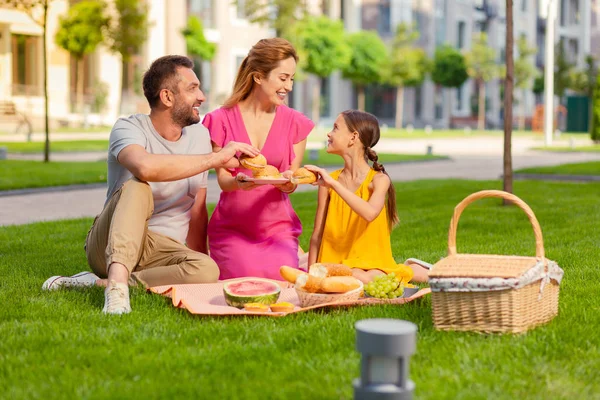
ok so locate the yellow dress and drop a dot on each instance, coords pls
(351, 240)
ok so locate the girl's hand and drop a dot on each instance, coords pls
(242, 182)
(324, 178)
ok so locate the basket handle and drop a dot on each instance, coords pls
(537, 230)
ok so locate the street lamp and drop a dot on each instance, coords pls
(548, 10)
(385, 346)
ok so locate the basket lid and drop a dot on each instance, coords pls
(482, 266)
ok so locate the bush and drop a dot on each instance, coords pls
(595, 126)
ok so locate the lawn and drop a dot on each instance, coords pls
(592, 148)
(59, 345)
(586, 168)
(57, 146)
(19, 174)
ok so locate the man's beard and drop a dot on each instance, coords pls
(183, 115)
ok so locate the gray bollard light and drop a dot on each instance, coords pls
(3, 153)
(429, 150)
(313, 154)
(385, 346)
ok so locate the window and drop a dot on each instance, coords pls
(325, 97)
(203, 9)
(384, 25)
(418, 100)
(459, 98)
(376, 15)
(524, 5)
(440, 22)
(25, 66)
(460, 40)
(563, 12)
(439, 109)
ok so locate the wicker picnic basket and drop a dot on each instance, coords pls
(494, 293)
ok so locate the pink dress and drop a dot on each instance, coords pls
(254, 232)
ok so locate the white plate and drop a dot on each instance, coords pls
(267, 181)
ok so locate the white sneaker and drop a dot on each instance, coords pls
(82, 279)
(116, 298)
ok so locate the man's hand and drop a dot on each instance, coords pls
(226, 156)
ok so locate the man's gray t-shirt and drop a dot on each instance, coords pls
(172, 200)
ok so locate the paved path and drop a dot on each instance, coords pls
(474, 159)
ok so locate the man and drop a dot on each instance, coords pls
(156, 200)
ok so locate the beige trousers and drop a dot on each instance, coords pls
(120, 234)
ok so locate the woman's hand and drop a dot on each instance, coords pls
(242, 182)
(324, 178)
(287, 187)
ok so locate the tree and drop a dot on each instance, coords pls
(38, 11)
(367, 62)
(481, 66)
(128, 32)
(563, 72)
(508, 100)
(280, 15)
(449, 68)
(322, 42)
(524, 72)
(595, 125)
(80, 32)
(197, 45)
(407, 67)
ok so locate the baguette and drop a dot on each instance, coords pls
(309, 283)
(339, 284)
(324, 270)
(290, 274)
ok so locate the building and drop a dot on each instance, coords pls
(439, 22)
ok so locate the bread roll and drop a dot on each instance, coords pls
(268, 171)
(308, 283)
(303, 175)
(324, 270)
(253, 163)
(339, 284)
(290, 274)
(282, 307)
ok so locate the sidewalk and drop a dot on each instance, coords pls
(469, 159)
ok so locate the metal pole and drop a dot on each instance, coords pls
(549, 74)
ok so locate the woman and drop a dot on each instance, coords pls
(254, 229)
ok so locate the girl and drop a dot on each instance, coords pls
(357, 205)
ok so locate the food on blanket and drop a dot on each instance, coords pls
(339, 284)
(290, 274)
(253, 163)
(303, 175)
(268, 171)
(282, 307)
(385, 287)
(309, 283)
(254, 290)
(256, 307)
(323, 270)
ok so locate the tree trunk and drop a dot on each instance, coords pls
(124, 86)
(79, 101)
(361, 97)
(399, 106)
(481, 118)
(508, 101)
(316, 101)
(522, 116)
(45, 64)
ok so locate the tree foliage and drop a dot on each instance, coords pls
(323, 44)
(449, 67)
(525, 71)
(83, 28)
(408, 63)
(129, 29)
(280, 15)
(367, 60)
(481, 60)
(196, 42)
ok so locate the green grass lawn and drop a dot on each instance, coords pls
(20, 174)
(592, 148)
(58, 146)
(586, 168)
(59, 345)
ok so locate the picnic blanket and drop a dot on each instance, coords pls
(208, 299)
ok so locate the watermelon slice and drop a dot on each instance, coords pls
(254, 290)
